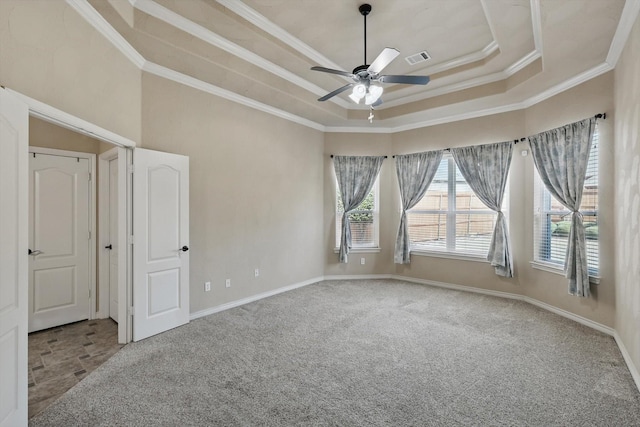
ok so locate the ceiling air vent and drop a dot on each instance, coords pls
(417, 58)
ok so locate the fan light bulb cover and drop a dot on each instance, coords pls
(373, 94)
(359, 92)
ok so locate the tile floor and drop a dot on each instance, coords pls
(61, 357)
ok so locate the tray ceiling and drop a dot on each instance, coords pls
(487, 56)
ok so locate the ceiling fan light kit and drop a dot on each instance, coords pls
(364, 75)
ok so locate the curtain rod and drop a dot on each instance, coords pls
(384, 156)
(602, 116)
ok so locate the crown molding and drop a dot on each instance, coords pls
(192, 82)
(96, 20)
(536, 25)
(625, 25)
(630, 13)
(160, 12)
(568, 84)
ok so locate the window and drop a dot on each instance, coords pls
(364, 220)
(450, 218)
(553, 220)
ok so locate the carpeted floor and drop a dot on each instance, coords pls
(362, 353)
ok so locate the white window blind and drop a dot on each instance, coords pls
(553, 221)
(364, 220)
(450, 217)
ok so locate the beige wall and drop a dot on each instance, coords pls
(50, 53)
(627, 195)
(255, 190)
(47, 135)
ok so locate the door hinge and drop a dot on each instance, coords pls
(130, 311)
(89, 176)
(130, 239)
(131, 168)
(89, 293)
(89, 235)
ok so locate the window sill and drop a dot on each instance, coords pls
(555, 269)
(449, 255)
(359, 250)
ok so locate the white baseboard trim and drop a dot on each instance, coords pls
(463, 288)
(359, 277)
(564, 313)
(627, 358)
(252, 298)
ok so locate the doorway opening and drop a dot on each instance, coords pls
(71, 330)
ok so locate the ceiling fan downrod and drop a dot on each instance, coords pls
(365, 9)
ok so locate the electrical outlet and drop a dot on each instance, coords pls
(257, 272)
(227, 283)
(362, 261)
(207, 286)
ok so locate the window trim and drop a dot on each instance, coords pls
(554, 268)
(451, 214)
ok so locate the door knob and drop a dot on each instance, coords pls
(109, 246)
(184, 248)
(36, 252)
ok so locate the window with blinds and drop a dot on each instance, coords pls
(553, 221)
(450, 217)
(364, 220)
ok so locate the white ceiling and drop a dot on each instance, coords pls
(487, 56)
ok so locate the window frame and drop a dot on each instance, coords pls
(542, 197)
(451, 213)
(375, 245)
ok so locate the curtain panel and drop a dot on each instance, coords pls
(486, 168)
(356, 176)
(561, 156)
(415, 173)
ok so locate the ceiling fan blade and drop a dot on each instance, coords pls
(384, 59)
(332, 71)
(336, 92)
(407, 80)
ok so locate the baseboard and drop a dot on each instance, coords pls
(627, 358)
(359, 277)
(463, 288)
(582, 320)
(252, 298)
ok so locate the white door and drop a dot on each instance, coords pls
(59, 239)
(161, 242)
(14, 141)
(113, 239)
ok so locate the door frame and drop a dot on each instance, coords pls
(92, 213)
(120, 155)
(76, 124)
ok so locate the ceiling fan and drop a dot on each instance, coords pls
(365, 77)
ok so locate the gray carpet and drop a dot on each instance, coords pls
(362, 353)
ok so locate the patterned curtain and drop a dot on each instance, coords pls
(415, 173)
(561, 156)
(356, 176)
(485, 168)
